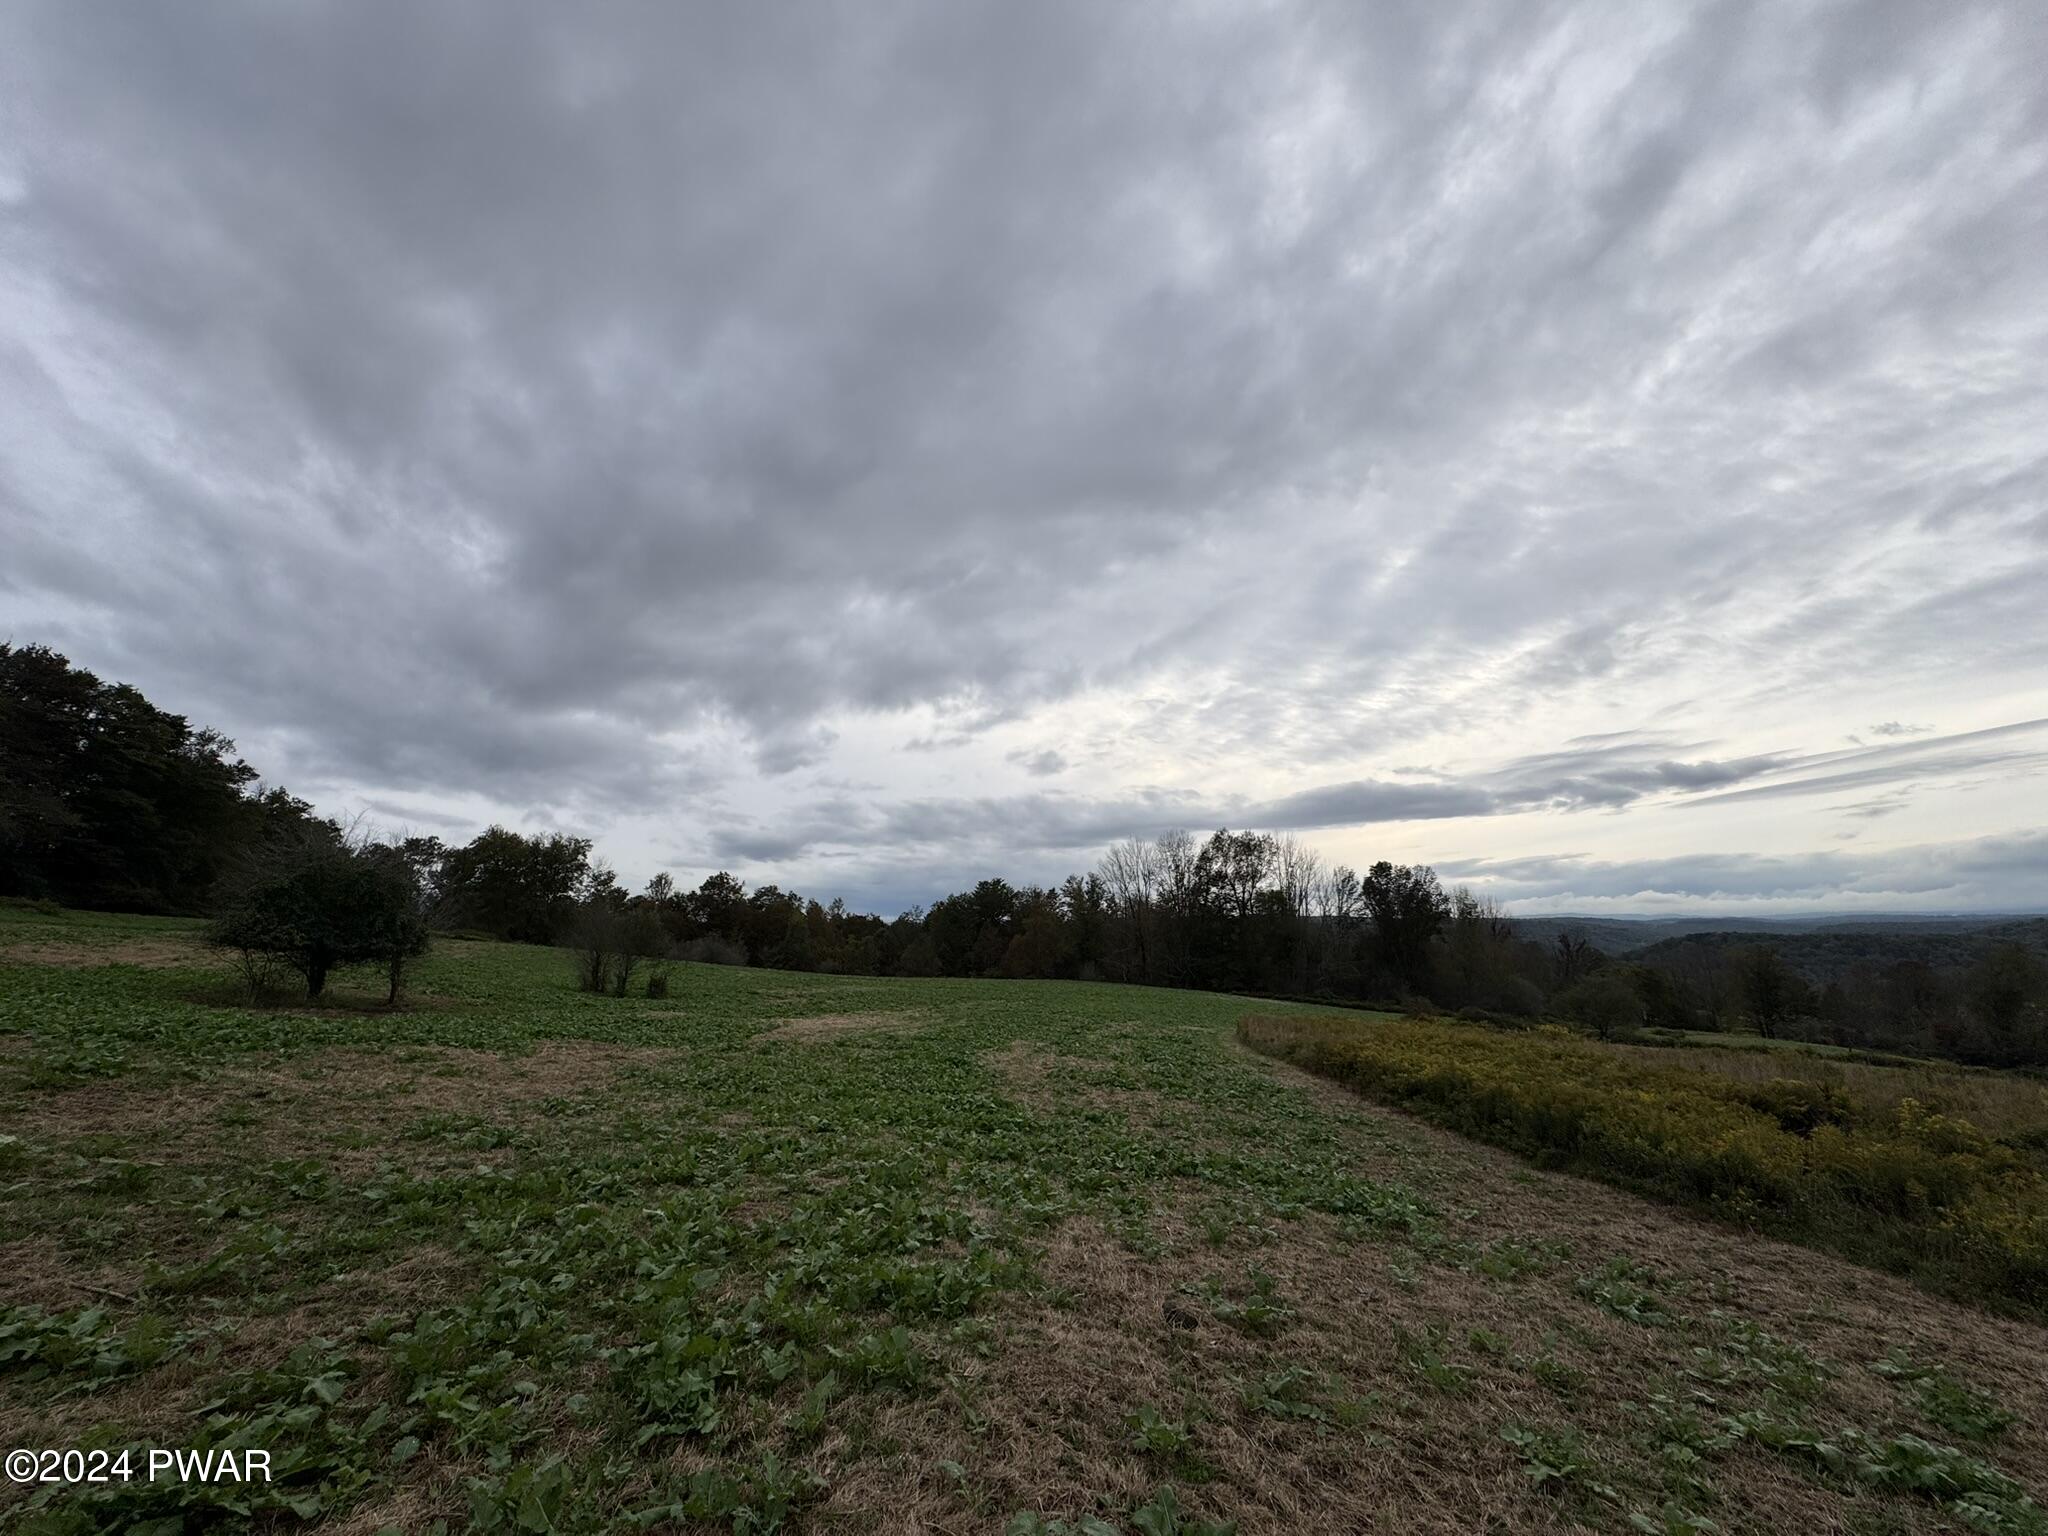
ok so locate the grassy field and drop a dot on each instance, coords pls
(815, 1254)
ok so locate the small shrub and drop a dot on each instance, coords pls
(1155, 1434)
(1626, 1289)
(265, 976)
(1945, 1402)
(1556, 1459)
(1424, 1358)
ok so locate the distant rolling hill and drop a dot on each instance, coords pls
(1818, 947)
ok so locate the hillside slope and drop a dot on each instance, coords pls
(802, 1253)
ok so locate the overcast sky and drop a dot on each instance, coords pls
(1599, 450)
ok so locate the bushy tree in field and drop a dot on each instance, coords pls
(317, 902)
(611, 937)
(1040, 940)
(1234, 870)
(1482, 962)
(1130, 878)
(794, 951)
(1604, 1003)
(1663, 1003)
(718, 906)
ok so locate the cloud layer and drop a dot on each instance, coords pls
(922, 439)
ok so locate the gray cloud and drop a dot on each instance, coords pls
(1364, 802)
(1937, 756)
(626, 419)
(1984, 874)
(1041, 764)
(1597, 773)
(1871, 810)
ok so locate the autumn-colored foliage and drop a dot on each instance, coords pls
(1902, 1185)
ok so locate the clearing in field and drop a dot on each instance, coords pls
(798, 1253)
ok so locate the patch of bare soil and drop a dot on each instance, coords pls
(832, 1026)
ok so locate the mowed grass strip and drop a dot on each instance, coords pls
(1823, 1159)
(802, 1253)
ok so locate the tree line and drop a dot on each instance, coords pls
(108, 802)
(1244, 911)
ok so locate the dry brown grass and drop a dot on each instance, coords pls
(1042, 1423)
(155, 953)
(345, 1106)
(1047, 1079)
(1837, 1307)
(163, 1403)
(1997, 1102)
(1049, 1429)
(40, 1273)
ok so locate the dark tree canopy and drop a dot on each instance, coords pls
(514, 886)
(1771, 989)
(107, 801)
(1407, 908)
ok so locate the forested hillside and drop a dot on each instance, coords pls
(1824, 955)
